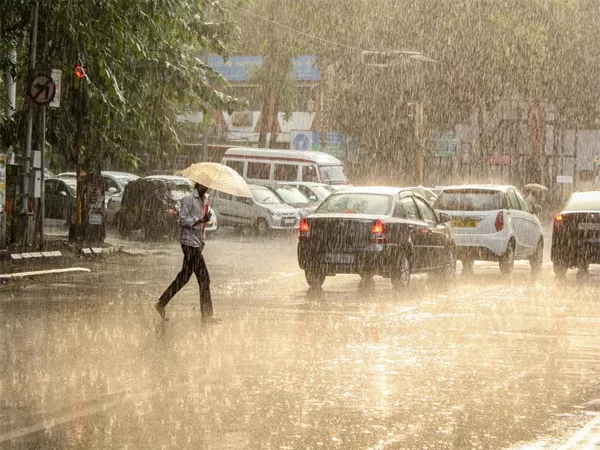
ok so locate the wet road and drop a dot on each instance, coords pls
(485, 362)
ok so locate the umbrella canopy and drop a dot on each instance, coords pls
(218, 177)
(536, 187)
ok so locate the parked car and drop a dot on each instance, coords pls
(576, 233)
(152, 205)
(493, 223)
(59, 198)
(315, 192)
(387, 231)
(291, 195)
(114, 182)
(265, 211)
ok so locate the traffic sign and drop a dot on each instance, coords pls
(42, 89)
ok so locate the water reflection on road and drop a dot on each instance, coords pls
(484, 362)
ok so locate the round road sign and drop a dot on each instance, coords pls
(42, 89)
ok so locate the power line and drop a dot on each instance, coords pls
(312, 36)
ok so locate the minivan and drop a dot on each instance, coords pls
(261, 165)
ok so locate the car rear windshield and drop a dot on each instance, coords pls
(584, 201)
(351, 203)
(470, 200)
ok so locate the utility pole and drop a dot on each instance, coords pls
(26, 214)
(42, 140)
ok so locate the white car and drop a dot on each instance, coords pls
(493, 223)
(264, 212)
(315, 192)
(114, 185)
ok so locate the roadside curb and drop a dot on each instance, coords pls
(5, 277)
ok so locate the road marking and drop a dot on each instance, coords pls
(17, 275)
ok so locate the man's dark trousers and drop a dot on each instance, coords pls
(193, 262)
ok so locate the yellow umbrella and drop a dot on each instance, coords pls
(218, 177)
(536, 187)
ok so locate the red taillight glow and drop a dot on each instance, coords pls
(171, 212)
(500, 221)
(304, 229)
(379, 232)
(558, 221)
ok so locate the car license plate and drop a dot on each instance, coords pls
(464, 223)
(288, 222)
(589, 226)
(336, 258)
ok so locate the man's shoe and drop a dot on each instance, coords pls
(161, 310)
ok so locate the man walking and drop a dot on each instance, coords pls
(191, 220)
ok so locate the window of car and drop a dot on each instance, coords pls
(584, 201)
(110, 183)
(427, 212)
(238, 166)
(264, 196)
(470, 200)
(523, 206)
(356, 203)
(406, 209)
(309, 173)
(285, 172)
(513, 201)
(259, 170)
(291, 194)
(333, 174)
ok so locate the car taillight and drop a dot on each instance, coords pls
(558, 222)
(379, 232)
(304, 229)
(500, 221)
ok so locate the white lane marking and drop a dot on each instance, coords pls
(12, 276)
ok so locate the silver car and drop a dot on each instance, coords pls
(264, 211)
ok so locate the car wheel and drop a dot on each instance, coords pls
(448, 270)
(507, 261)
(400, 272)
(560, 269)
(262, 227)
(536, 260)
(314, 277)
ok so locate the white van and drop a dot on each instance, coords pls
(270, 165)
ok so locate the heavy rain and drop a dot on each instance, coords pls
(270, 224)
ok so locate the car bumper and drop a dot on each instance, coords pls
(374, 259)
(486, 247)
(280, 223)
(574, 253)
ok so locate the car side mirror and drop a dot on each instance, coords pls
(536, 209)
(445, 218)
(112, 190)
(62, 193)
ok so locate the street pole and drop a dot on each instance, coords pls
(205, 121)
(419, 124)
(25, 213)
(42, 140)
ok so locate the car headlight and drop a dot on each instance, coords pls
(274, 212)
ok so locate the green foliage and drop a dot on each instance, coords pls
(144, 67)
